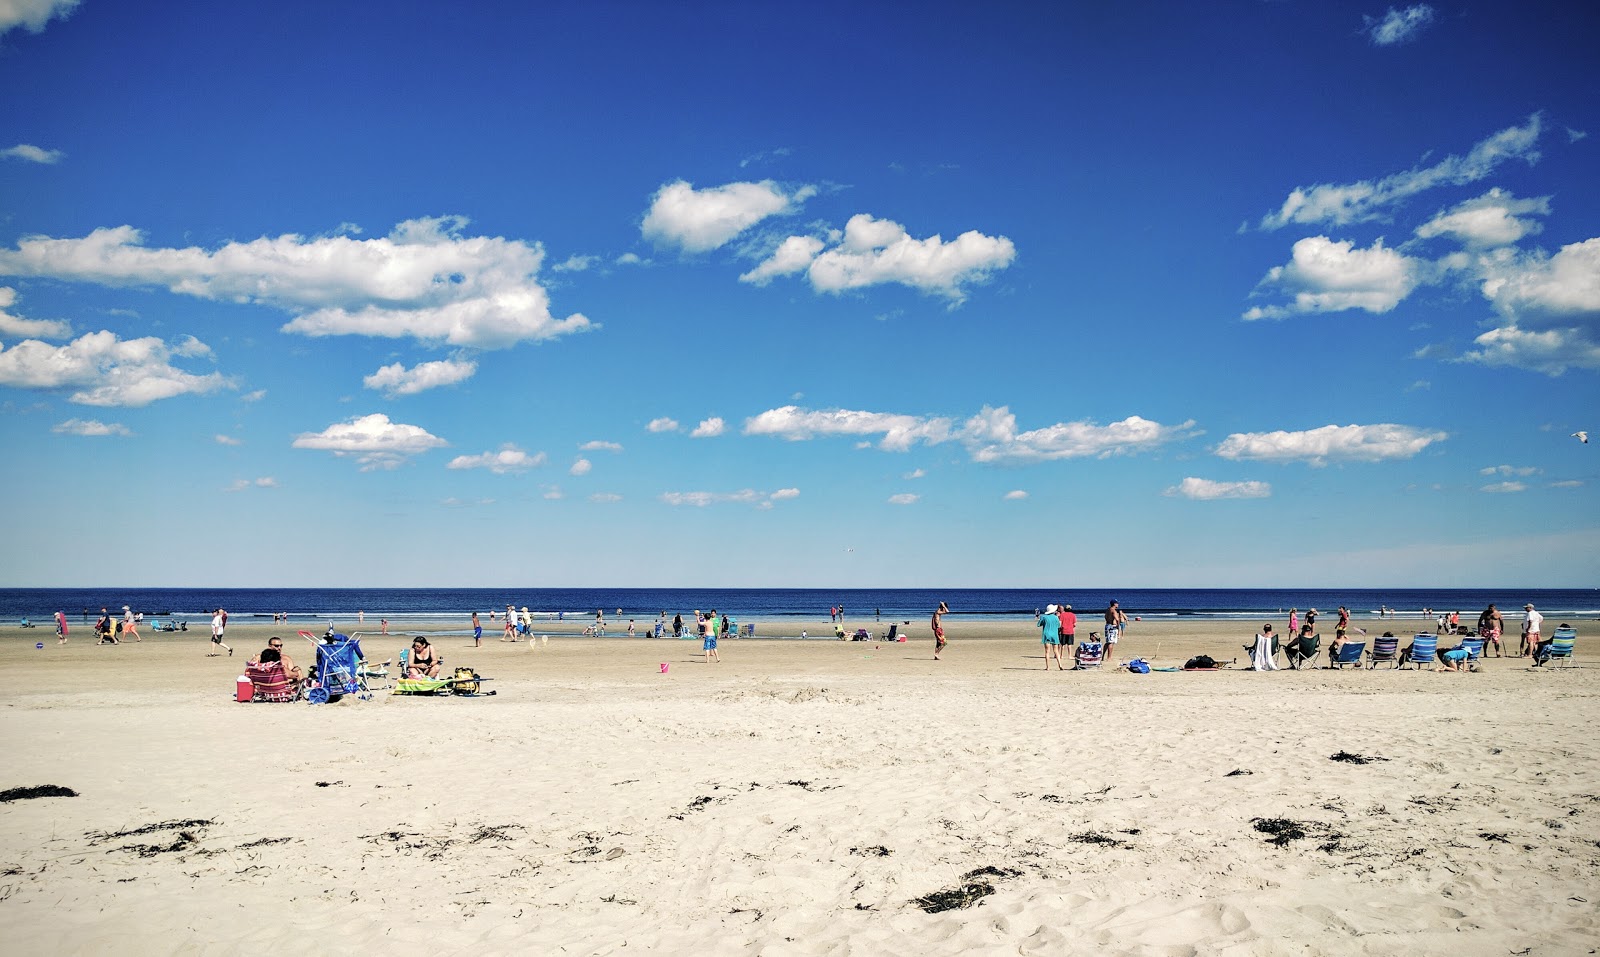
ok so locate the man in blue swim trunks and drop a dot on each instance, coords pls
(1115, 622)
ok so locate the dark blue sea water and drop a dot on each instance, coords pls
(754, 604)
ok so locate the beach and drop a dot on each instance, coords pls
(801, 797)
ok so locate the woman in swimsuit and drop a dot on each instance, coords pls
(424, 663)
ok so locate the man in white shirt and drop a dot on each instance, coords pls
(218, 624)
(1531, 622)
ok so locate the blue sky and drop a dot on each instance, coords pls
(1248, 294)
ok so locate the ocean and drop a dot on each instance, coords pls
(341, 605)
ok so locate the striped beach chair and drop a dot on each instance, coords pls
(1424, 650)
(1385, 649)
(1559, 652)
(1474, 647)
(1089, 655)
(1349, 654)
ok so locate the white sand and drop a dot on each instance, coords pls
(797, 799)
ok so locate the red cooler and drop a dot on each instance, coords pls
(243, 690)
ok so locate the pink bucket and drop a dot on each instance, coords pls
(243, 690)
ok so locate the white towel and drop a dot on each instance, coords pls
(1261, 659)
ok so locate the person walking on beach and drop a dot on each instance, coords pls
(477, 631)
(677, 624)
(509, 633)
(219, 624)
(130, 625)
(1050, 635)
(708, 638)
(1532, 621)
(1116, 621)
(1069, 626)
(1294, 622)
(938, 629)
(61, 626)
(1490, 627)
(1343, 624)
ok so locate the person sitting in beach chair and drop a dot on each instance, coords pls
(1558, 647)
(1302, 647)
(275, 647)
(424, 661)
(269, 679)
(1089, 654)
(1264, 650)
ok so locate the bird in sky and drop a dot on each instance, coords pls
(1581, 436)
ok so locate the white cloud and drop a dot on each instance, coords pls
(508, 460)
(255, 396)
(107, 371)
(239, 485)
(1340, 204)
(793, 255)
(554, 493)
(575, 263)
(915, 474)
(760, 500)
(581, 467)
(1205, 490)
(1567, 483)
(32, 14)
(599, 446)
(1328, 276)
(1523, 471)
(90, 427)
(1015, 495)
(1351, 443)
(989, 436)
(1504, 487)
(1551, 308)
(663, 424)
(708, 428)
(1398, 26)
(376, 442)
(605, 498)
(872, 252)
(1493, 219)
(631, 259)
(221, 439)
(424, 280)
(27, 151)
(16, 327)
(396, 379)
(701, 220)
(904, 498)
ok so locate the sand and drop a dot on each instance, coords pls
(800, 798)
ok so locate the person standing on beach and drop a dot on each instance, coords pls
(1050, 635)
(938, 629)
(477, 631)
(61, 626)
(1490, 627)
(1294, 622)
(130, 625)
(1532, 621)
(219, 625)
(708, 638)
(1069, 625)
(1343, 624)
(510, 630)
(1116, 621)
(677, 624)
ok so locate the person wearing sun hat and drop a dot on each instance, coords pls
(1532, 621)
(1050, 630)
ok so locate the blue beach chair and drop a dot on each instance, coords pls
(1474, 648)
(1089, 655)
(1349, 654)
(1385, 649)
(1424, 650)
(1559, 649)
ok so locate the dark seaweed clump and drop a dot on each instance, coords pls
(1349, 758)
(1282, 830)
(964, 896)
(37, 791)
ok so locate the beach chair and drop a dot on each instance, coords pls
(1423, 650)
(1089, 655)
(1305, 651)
(1385, 649)
(371, 676)
(893, 635)
(338, 659)
(1349, 654)
(465, 683)
(1474, 647)
(1559, 649)
(271, 683)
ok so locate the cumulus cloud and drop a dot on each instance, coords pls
(1550, 306)
(915, 474)
(605, 498)
(872, 252)
(1523, 471)
(32, 14)
(581, 467)
(1497, 218)
(239, 485)
(396, 379)
(16, 327)
(1341, 204)
(663, 424)
(1015, 495)
(904, 498)
(1328, 276)
(1504, 487)
(575, 263)
(599, 446)
(27, 151)
(708, 428)
(221, 439)
(701, 220)
(374, 441)
(1341, 443)
(1398, 26)
(425, 280)
(507, 460)
(1205, 490)
(760, 500)
(90, 427)
(104, 370)
(990, 436)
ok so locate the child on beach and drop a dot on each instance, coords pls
(708, 639)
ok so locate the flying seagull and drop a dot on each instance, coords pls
(1581, 437)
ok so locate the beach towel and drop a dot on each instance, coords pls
(270, 682)
(1261, 658)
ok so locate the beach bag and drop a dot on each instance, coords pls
(1139, 666)
(466, 681)
(1200, 661)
